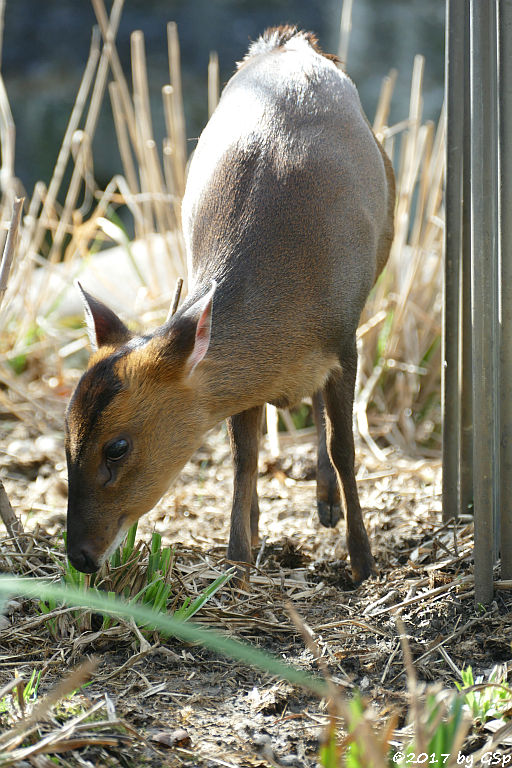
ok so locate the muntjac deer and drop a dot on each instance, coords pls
(288, 221)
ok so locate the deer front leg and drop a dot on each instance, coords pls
(244, 431)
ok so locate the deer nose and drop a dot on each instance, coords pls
(83, 560)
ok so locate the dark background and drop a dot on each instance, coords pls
(46, 44)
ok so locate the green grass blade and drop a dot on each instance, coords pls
(129, 544)
(187, 611)
(187, 631)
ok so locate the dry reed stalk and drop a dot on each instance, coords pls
(23, 272)
(167, 152)
(178, 133)
(213, 82)
(173, 161)
(8, 183)
(89, 129)
(161, 199)
(140, 85)
(384, 104)
(115, 64)
(153, 200)
(65, 149)
(128, 198)
(158, 194)
(143, 124)
(10, 245)
(32, 219)
(272, 421)
(401, 322)
(154, 194)
(123, 142)
(81, 150)
(9, 519)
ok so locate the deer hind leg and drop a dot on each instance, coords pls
(244, 432)
(339, 398)
(327, 488)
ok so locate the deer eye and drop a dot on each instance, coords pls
(117, 449)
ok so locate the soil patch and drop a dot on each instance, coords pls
(204, 710)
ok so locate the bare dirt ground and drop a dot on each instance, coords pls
(228, 714)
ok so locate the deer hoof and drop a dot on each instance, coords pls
(328, 514)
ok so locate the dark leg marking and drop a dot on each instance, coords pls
(327, 488)
(339, 399)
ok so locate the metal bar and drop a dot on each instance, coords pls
(496, 273)
(454, 78)
(505, 244)
(484, 290)
(466, 416)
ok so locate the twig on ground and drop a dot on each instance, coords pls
(449, 661)
(424, 595)
(389, 662)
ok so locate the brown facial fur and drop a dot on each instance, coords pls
(140, 393)
(97, 388)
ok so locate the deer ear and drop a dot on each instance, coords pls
(103, 325)
(202, 309)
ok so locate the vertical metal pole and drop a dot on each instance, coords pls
(484, 290)
(496, 276)
(454, 79)
(505, 231)
(466, 416)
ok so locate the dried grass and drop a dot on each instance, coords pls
(399, 336)
(55, 238)
(426, 576)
